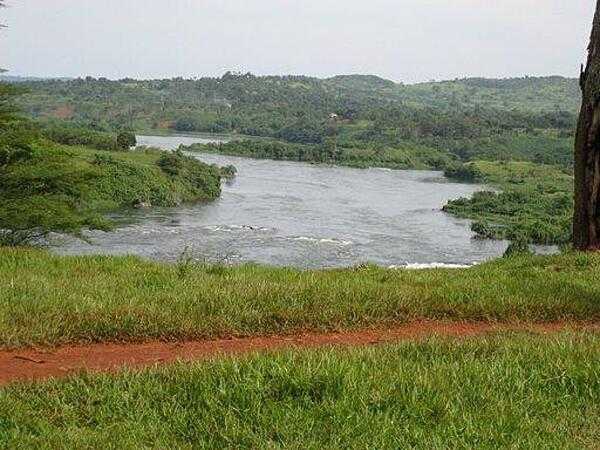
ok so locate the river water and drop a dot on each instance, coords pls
(296, 214)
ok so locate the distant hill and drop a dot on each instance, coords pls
(295, 108)
(20, 79)
(527, 93)
(361, 82)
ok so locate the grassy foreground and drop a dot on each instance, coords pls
(47, 299)
(509, 391)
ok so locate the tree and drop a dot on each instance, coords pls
(38, 195)
(15, 136)
(586, 221)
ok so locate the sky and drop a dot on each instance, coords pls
(402, 40)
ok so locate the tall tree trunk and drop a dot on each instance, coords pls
(586, 223)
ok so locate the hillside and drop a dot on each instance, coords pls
(267, 106)
(541, 94)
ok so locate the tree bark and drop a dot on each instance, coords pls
(586, 221)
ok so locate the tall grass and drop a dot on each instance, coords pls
(516, 391)
(47, 299)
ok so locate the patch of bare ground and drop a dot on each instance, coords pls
(41, 364)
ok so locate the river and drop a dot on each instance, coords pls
(295, 214)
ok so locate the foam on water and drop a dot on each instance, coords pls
(435, 265)
(322, 240)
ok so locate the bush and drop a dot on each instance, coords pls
(228, 171)
(171, 163)
(186, 124)
(126, 140)
(518, 247)
(63, 133)
(463, 172)
(485, 230)
(203, 179)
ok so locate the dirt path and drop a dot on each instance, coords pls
(20, 365)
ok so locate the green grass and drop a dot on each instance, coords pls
(506, 391)
(49, 299)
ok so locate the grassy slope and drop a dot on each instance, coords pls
(64, 189)
(516, 391)
(121, 178)
(525, 94)
(54, 300)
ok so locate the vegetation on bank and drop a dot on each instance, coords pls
(410, 157)
(548, 147)
(542, 148)
(505, 391)
(56, 188)
(535, 202)
(129, 299)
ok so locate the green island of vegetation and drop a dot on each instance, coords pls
(534, 204)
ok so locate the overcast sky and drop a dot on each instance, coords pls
(403, 40)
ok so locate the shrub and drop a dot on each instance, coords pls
(228, 171)
(126, 140)
(463, 172)
(67, 134)
(517, 247)
(171, 163)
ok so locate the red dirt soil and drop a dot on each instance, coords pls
(41, 364)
